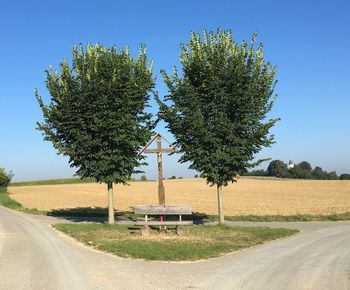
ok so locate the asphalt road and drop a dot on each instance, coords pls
(35, 256)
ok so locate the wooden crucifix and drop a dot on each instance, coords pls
(159, 150)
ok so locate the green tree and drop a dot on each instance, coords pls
(143, 178)
(97, 113)
(217, 108)
(257, 172)
(318, 173)
(278, 168)
(305, 165)
(345, 176)
(331, 175)
(5, 179)
(298, 172)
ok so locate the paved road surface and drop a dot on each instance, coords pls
(34, 256)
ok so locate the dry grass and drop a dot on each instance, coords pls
(248, 196)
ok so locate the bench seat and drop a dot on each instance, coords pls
(163, 223)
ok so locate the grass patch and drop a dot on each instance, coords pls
(5, 200)
(201, 242)
(290, 218)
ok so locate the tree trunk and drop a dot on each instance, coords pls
(220, 206)
(110, 203)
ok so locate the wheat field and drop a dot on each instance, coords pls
(247, 196)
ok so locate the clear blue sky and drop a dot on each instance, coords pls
(308, 40)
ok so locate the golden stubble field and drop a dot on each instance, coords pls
(247, 196)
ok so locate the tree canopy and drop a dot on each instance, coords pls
(97, 111)
(277, 168)
(303, 170)
(345, 176)
(217, 108)
(305, 165)
(5, 179)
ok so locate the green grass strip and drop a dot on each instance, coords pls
(5, 200)
(54, 182)
(291, 218)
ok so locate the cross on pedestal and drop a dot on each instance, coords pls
(159, 150)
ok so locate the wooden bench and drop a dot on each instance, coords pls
(163, 210)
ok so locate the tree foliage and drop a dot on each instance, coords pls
(303, 170)
(277, 168)
(5, 179)
(305, 165)
(143, 178)
(331, 175)
(345, 176)
(299, 172)
(97, 111)
(217, 108)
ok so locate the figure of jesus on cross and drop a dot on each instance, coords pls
(159, 150)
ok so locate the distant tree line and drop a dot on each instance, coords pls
(303, 170)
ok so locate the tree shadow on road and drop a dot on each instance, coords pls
(90, 214)
(99, 214)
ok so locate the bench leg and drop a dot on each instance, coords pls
(180, 230)
(144, 230)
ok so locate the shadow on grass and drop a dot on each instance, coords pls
(200, 218)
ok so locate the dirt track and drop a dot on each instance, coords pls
(248, 196)
(34, 256)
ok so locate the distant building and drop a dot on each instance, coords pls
(290, 164)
